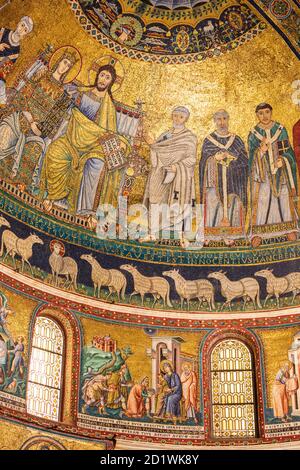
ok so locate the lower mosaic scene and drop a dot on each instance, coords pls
(149, 225)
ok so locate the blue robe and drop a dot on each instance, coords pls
(89, 107)
(9, 54)
(172, 400)
(237, 173)
(211, 181)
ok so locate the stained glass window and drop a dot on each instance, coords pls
(45, 370)
(233, 399)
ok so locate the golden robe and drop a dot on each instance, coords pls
(65, 158)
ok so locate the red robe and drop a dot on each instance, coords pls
(296, 138)
(135, 405)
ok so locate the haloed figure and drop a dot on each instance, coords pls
(29, 129)
(75, 162)
(280, 393)
(189, 389)
(18, 362)
(173, 394)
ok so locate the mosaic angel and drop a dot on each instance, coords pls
(36, 113)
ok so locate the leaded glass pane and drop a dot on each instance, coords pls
(231, 355)
(43, 401)
(234, 421)
(45, 370)
(232, 390)
(47, 335)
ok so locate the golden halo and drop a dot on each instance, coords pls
(60, 54)
(107, 60)
(162, 364)
(61, 245)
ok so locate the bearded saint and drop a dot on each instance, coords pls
(280, 395)
(74, 169)
(171, 180)
(223, 172)
(273, 179)
(189, 391)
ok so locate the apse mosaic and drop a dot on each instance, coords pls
(149, 220)
(83, 177)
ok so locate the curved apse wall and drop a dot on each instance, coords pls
(149, 201)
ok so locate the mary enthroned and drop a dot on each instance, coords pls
(173, 394)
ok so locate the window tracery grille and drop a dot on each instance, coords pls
(232, 384)
(45, 370)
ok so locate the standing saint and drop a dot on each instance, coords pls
(273, 179)
(189, 390)
(296, 142)
(223, 173)
(74, 170)
(10, 50)
(280, 394)
(171, 180)
(18, 361)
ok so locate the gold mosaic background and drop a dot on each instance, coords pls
(261, 70)
(139, 364)
(19, 323)
(14, 436)
(276, 343)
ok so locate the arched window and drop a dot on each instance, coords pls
(45, 370)
(233, 390)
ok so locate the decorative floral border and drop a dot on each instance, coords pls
(88, 26)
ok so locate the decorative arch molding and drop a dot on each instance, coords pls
(42, 443)
(252, 343)
(71, 370)
(183, 27)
